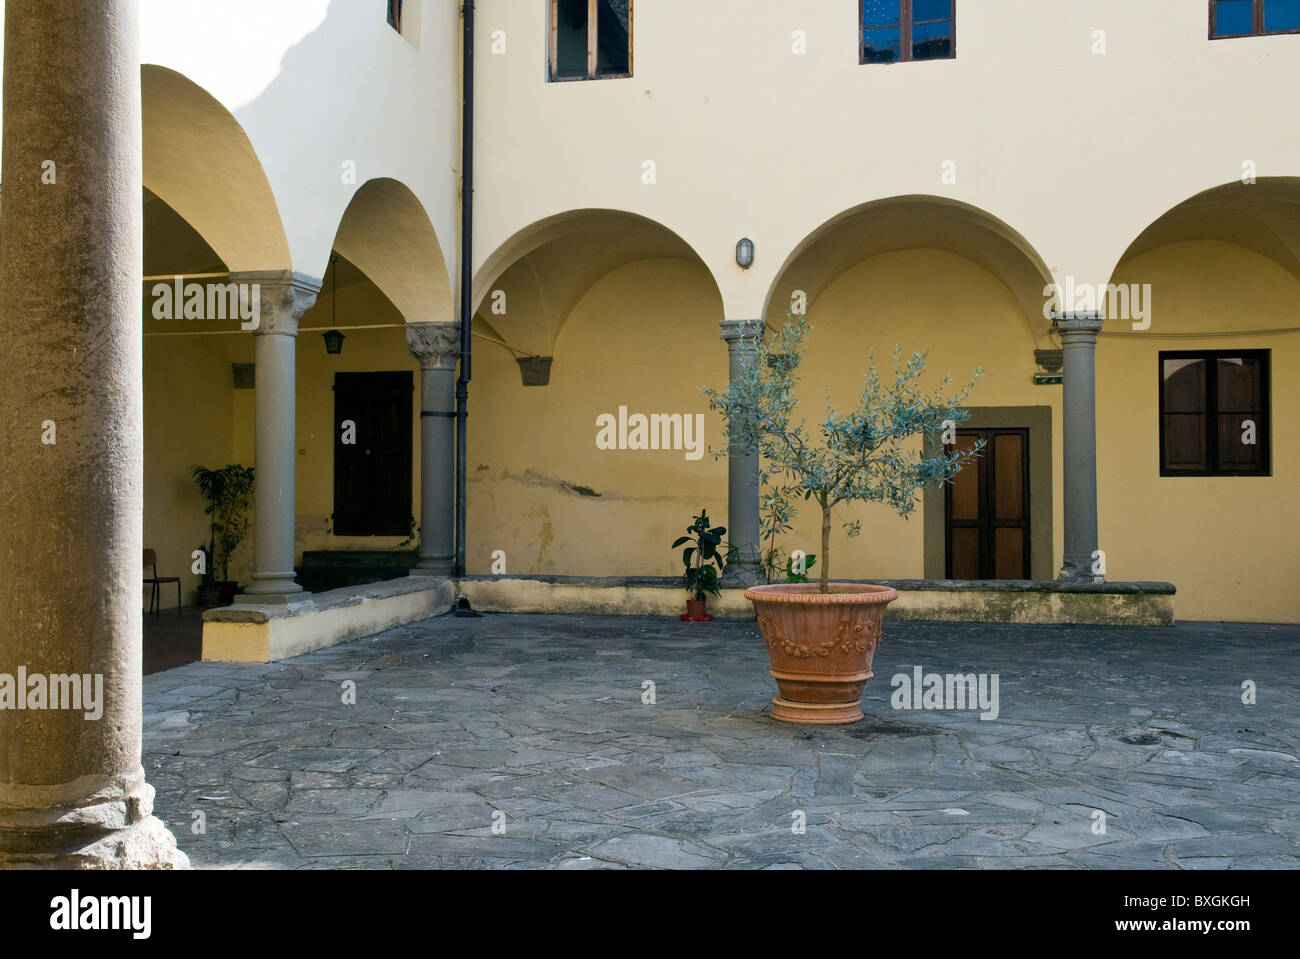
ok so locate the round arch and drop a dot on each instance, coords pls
(200, 162)
(915, 222)
(387, 235)
(550, 265)
(1263, 217)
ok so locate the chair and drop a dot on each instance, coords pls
(155, 583)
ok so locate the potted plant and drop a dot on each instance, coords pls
(777, 516)
(704, 564)
(821, 638)
(209, 591)
(229, 492)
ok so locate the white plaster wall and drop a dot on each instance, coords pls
(1077, 151)
(315, 83)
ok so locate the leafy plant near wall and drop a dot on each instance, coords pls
(229, 492)
(777, 516)
(703, 559)
(863, 456)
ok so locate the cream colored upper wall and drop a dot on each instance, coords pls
(315, 84)
(1078, 152)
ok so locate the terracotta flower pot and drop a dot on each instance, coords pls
(697, 611)
(821, 646)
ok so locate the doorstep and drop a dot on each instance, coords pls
(979, 601)
(264, 634)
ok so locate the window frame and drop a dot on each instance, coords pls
(1263, 429)
(395, 14)
(1256, 24)
(905, 24)
(593, 44)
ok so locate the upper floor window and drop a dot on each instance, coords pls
(895, 31)
(395, 14)
(1214, 413)
(590, 39)
(1253, 18)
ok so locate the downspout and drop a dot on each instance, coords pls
(466, 276)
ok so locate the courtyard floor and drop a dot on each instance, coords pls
(525, 742)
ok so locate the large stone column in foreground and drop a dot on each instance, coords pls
(437, 347)
(72, 790)
(742, 337)
(283, 298)
(1079, 344)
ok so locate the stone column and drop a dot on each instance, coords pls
(1079, 343)
(742, 337)
(437, 347)
(283, 298)
(72, 790)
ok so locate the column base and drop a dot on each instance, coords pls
(272, 589)
(435, 566)
(1075, 572)
(120, 833)
(145, 845)
(743, 573)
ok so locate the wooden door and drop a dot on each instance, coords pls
(987, 508)
(372, 475)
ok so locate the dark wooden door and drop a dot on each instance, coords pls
(372, 476)
(987, 521)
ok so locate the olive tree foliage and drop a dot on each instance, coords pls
(868, 454)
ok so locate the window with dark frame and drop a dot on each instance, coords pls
(900, 31)
(395, 14)
(590, 39)
(1253, 18)
(1214, 413)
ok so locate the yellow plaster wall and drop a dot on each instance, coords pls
(190, 406)
(1227, 543)
(646, 336)
(922, 300)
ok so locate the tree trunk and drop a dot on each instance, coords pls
(826, 547)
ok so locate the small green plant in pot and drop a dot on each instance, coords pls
(777, 515)
(209, 590)
(229, 492)
(821, 639)
(705, 563)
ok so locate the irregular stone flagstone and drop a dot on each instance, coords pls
(539, 720)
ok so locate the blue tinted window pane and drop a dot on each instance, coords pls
(1281, 15)
(931, 10)
(932, 41)
(880, 46)
(1232, 18)
(879, 13)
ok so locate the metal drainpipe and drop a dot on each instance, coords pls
(466, 277)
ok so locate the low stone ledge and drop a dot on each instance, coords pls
(262, 634)
(1002, 601)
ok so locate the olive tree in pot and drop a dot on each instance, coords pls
(821, 637)
(229, 492)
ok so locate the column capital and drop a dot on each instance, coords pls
(1077, 326)
(282, 297)
(435, 345)
(736, 332)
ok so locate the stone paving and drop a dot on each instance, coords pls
(524, 742)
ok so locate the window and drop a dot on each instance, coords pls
(1214, 412)
(1253, 18)
(395, 14)
(895, 31)
(590, 39)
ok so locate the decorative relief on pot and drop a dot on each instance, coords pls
(774, 638)
(849, 636)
